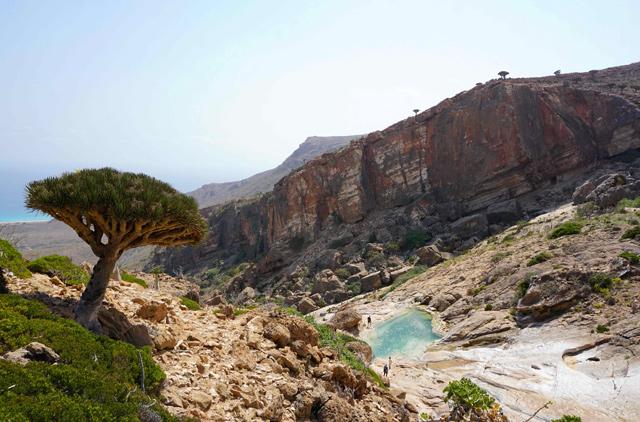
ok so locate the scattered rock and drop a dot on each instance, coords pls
(153, 311)
(216, 299)
(306, 305)
(201, 399)
(247, 294)
(165, 341)
(443, 300)
(371, 282)
(429, 255)
(32, 352)
(277, 333)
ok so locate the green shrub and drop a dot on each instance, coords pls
(601, 328)
(342, 273)
(631, 233)
(488, 307)
(96, 379)
(392, 247)
(499, 256)
(568, 418)
(630, 256)
(11, 260)
(129, 278)
(524, 285)
(476, 290)
(537, 259)
(628, 203)
(61, 267)
(467, 395)
(414, 239)
(566, 229)
(353, 287)
(190, 304)
(600, 283)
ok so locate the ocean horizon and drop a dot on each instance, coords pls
(26, 217)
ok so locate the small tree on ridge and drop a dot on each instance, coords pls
(113, 212)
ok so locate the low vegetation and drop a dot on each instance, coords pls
(61, 267)
(632, 233)
(539, 258)
(567, 228)
(11, 260)
(414, 239)
(630, 256)
(470, 402)
(523, 286)
(96, 379)
(600, 283)
(601, 329)
(192, 305)
(337, 341)
(129, 278)
(568, 418)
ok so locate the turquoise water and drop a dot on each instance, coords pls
(405, 335)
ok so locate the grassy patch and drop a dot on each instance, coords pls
(97, 378)
(567, 228)
(600, 283)
(499, 256)
(11, 260)
(401, 279)
(568, 418)
(539, 258)
(524, 285)
(630, 256)
(190, 304)
(61, 267)
(342, 273)
(601, 329)
(129, 278)
(631, 233)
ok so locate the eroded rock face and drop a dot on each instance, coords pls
(486, 146)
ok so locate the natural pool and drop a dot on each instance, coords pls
(405, 335)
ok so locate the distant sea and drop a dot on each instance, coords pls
(27, 216)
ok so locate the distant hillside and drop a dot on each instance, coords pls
(312, 147)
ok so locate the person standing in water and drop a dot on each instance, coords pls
(369, 321)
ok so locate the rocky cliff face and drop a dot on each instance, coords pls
(473, 160)
(312, 147)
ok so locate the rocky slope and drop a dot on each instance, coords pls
(529, 318)
(314, 146)
(229, 365)
(460, 171)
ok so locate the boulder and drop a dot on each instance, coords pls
(326, 281)
(355, 267)
(330, 258)
(429, 255)
(299, 329)
(504, 213)
(580, 194)
(164, 341)
(550, 295)
(336, 296)
(226, 310)
(346, 319)
(612, 189)
(361, 350)
(153, 311)
(32, 352)
(480, 324)
(443, 300)
(200, 399)
(277, 333)
(371, 282)
(116, 325)
(306, 305)
(247, 294)
(397, 273)
(475, 225)
(216, 299)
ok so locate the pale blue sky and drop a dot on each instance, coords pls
(201, 91)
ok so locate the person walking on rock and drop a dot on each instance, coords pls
(369, 321)
(385, 371)
(389, 362)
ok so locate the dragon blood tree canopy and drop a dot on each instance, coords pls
(114, 211)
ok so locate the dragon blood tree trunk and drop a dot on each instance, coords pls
(91, 299)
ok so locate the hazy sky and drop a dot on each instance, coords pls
(201, 91)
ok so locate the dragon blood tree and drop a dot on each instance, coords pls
(114, 211)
